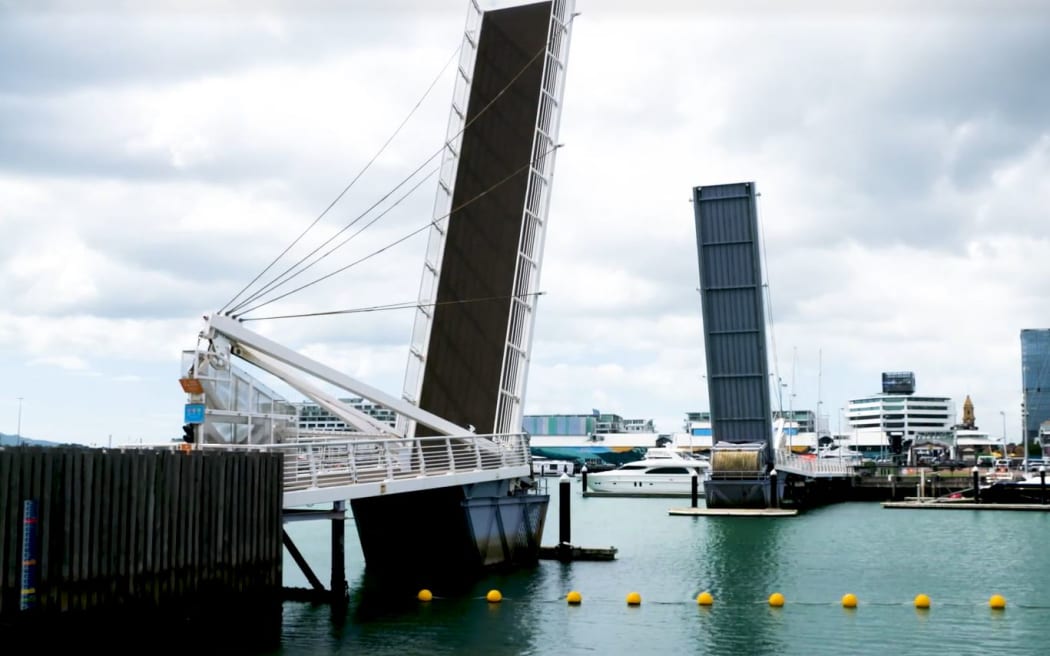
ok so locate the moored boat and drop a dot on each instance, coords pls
(551, 467)
(662, 472)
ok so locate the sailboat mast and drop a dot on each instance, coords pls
(820, 373)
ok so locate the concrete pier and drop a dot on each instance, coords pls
(952, 505)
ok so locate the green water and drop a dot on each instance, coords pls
(885, 557)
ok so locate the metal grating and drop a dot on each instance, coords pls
(733, 313)
(534, 219)
(470, 356)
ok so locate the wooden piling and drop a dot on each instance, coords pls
(179, 535)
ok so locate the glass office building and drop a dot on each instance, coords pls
(1035, 379)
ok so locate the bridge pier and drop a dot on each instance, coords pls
(340, 589)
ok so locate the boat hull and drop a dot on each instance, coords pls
(643, 485)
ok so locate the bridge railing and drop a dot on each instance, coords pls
(322, 463)
(828, 466)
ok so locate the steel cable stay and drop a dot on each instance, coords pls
(406, 237)
(262, 292)
(353, 181)
(404, 305)
(277, 282)
(769, 309)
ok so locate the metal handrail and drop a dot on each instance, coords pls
(815, 465)
(329, 463)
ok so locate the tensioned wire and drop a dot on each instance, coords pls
(411, 234)
(769, 308)
(405, 305)
(277, 282)
(365, 168)
(335, 248)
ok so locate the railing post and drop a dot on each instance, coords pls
(477, 451)
(422, 460)
(451, 457)
(313, 466)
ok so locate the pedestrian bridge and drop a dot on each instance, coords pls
(813, 467)
(340, 467)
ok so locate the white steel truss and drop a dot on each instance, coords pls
(246, 344)
(442, 209)
(518, 342)
(517, 350)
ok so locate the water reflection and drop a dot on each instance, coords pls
(741, 568)
(883, 556)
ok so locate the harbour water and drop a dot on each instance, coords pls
(885, 557)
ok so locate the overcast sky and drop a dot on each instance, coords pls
(155, 156)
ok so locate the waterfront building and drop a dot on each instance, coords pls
(695, 434)
(797, 421)
(610, 437)
(594, 440)
(583, 424)
(313, 417)
(698, 424)
(880, 424)
(1035, 380)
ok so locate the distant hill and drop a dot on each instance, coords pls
(12, 440)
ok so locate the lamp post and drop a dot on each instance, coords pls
(18, 431)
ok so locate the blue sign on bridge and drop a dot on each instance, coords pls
(194, 413)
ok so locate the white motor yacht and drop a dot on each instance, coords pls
(662, 472)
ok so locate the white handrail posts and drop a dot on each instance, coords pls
(451, 458)
(388, 456)
(313, 466)
(422, 459)
(351, 453)
(477, 452)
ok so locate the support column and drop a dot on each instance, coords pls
(340, 589)
(773, 501)
(564, 517)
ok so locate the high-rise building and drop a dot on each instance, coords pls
(1035, 379)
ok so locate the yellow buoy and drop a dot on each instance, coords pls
(494, 597)
(849, 600)
(922, 601)
(705, 599)
(574, 597)
(424, 595)
(997, 602)
(776, 599)
(634, 599)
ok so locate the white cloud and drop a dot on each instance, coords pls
(905, 176)
(70, 362)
